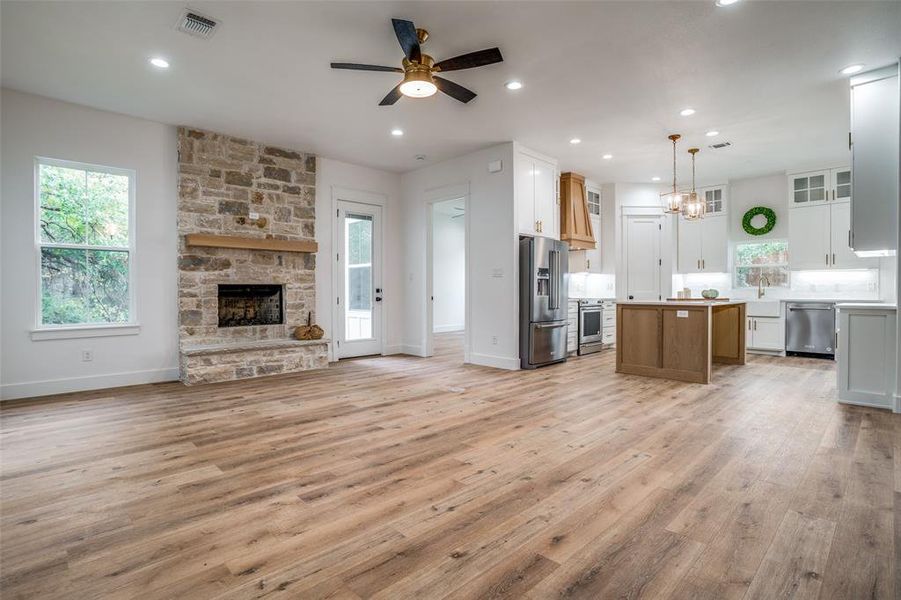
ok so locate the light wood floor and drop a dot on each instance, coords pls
(403, 478)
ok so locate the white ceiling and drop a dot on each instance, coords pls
(614, 74)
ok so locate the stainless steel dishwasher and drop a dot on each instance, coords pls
(810, 328)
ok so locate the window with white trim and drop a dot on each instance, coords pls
(85, 242)
(754, 260)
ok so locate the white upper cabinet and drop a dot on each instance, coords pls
(810, 188)
(715, 244)
(703, 245)
(809, 238)
(875, 129)
(841, 184)
(819, 238)
(843, 256)
(537, 205)
(714, 199)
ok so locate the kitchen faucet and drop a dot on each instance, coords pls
(760, 290)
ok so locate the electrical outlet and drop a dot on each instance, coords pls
(254, 216)
(494, 340)
(87, 355)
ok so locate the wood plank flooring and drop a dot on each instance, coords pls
(400, 477)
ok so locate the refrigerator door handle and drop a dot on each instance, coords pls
(553, 300)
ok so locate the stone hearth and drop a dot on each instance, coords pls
(229, 186)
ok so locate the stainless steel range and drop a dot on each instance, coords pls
(597, 324)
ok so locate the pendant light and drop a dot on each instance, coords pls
(672, 201)
(694, 207)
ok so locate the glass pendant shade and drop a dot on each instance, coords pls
(672, 201)
(694, 207)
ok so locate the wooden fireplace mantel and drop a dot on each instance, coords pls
(250, 243)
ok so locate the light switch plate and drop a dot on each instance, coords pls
(495, 166)
(682, 314)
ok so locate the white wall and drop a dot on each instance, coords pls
(770, 191)
(448, 269)
(333, 177)
(493, 264)
(36, 126)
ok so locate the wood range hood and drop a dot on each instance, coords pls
(575, 220)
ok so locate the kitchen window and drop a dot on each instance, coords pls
(85, 244)
(753, 260)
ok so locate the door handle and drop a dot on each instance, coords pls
(378, 298)
(549, 325)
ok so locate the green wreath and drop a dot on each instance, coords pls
(759, 210)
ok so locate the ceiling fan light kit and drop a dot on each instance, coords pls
(419, 69)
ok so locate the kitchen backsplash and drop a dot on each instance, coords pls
(591, 285)
(862, 284)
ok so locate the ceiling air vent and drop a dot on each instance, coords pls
(721, 145)
(197, 25)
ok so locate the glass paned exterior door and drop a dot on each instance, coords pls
(359, 288)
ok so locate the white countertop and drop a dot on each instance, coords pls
(867, 305)
(683, 302)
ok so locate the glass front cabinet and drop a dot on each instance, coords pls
(819, 187)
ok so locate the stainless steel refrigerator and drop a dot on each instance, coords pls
(543, 295)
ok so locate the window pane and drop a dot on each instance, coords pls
(762, 253)
(106, 209)
(83, 286)
(800, 183)
(817, 194)
(800, 197)
(359, 288)
(817, 181)
(62, 193)
(359, 239)
(843, 177)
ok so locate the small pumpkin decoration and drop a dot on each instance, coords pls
(767, 227)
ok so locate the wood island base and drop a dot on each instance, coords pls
(678, 340)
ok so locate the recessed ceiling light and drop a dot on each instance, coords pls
(397, 132)
(725, 2)
(607, 156)
(575, 141)
(513, 85)
(851, 69)
(655, 178)
(712, 133)
(687, 112)
(159, 63)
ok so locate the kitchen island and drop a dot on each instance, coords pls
(679, 339)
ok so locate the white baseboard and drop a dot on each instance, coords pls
(448, 328)
(29, 389)
(499, 362)
(393, 349)
(412, 350)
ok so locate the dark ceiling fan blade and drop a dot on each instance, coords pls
(392, 97)
(471, 60)
(359, 67)
(409, 41)
(454, 90)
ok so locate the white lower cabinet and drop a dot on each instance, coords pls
(765, 333)
(866, 355)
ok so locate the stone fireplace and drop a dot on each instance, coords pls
(239, 305)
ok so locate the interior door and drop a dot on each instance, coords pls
(359, 244)
(808, 236)
(643, 258)
(714, 243)
(689, 259)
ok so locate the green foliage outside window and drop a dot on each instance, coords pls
(84, 238)
(754, 260)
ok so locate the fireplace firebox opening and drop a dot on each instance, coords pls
(242, 305)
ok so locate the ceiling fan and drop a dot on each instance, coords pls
(419, 69)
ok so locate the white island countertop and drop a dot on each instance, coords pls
(684, 302)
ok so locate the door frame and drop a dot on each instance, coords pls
(366, 198)
(433, 197)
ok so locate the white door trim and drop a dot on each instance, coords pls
(359, 197)
(432, 197)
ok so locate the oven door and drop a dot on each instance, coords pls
(591, 324)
